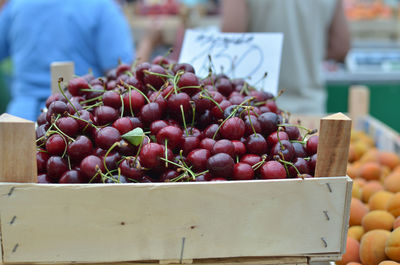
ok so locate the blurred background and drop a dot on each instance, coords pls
(373, 60)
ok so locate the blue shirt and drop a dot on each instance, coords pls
(92, 33)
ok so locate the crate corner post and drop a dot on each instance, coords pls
(18, 155)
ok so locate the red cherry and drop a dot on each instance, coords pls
(106, 115)
(123, 125)
(240, 148)
(312, 145)
(131, 169)
(106, 137)
(156, 126)
(75, 85)
(80, 148)
(133, 100)
(112, 99)
(233, 128)
(207, 143)
(220, 165)
(56, 166)
(256, 144)
(198, 159)
(243, 171)
(250, 159)
(224, 146)
(272, 170)
(71, 176)
(56, 145)
(273, 137)
(68, 125)
(172, 134)
(41, 161)
(91, 166)
(150, 112)
(187, 81)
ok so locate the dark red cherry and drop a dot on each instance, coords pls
(240, 148)
(55, 97)
(293, 132)
(172, 135)
(312, 145)
(284, 150)
(106, 115)
(122, 68)
(68, 125)
(220, 165)
(75, 85)
(198, 159)
(92, 166)
(175, 101)
(250, 123)
(233, 128)
(71, 176)
(152, 78)
(106, 137)
(170, 175)
(242, 171)
(189, 143)
(112, 159)
(207, 143)
(133, 100)
(250, 159)
(112, 99)
(131, 168)
(56, 166)
(156, 126)
(140, 70)
(224, 86)
(56, 108)
(41, 161)
(312, 164)
(187, 82)
(301, 166)
(43, 179)
(184, 67)
(210, 131)
(299, 150)
(272, 170)
(150, 155)
(269, 122)
(224, 146)
(56, 145)
(256, 144)
(80, 148)
(273, 137)
(150, 112)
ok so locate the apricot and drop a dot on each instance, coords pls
(393, 205)
(354, 263)
(377, 219)
(360, 181)
(369, 189)
(356, 232)
(396, 222)
(389, 262)
(392, 182)
(372, 247)
(357, 211)
(371, 170)
(370, 156)
(356, 190)
(352, 252)
(352, 171)
(392, 248)
(379, 200)
(389, 159)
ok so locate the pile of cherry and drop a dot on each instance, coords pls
(159, 122)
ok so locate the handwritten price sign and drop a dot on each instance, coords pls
(238, 55)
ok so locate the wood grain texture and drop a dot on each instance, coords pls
(333, 146)
(109, 223)
(358, 104)
(65, 70)
(18, 150)
(225, 261)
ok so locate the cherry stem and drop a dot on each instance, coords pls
(130, 100)
(61, 132)
(251, 124)
(107, 153)
(69, 162)
(90, 100)
(186, 169)
(62, 92)
(176, 80)
(122, 105)
(92, 106)
(91, 90)
(259, 164)
(193, 115)
(290, 164)
(279, 140)
(151, 87)
(244, 89)
(157, 74)
(212, 100)
(184, 120)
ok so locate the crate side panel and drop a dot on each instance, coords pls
(102, 223)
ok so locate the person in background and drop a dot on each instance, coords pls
(314, 30)
(92, 33)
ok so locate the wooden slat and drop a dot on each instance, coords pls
(65, 70)
(110, 223)
(226, 261)
(333, 146)
(18, 150)
(358, 104)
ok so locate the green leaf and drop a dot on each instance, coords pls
(134, 137)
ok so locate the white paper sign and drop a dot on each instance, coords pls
(240, 55)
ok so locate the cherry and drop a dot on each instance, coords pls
(43, 179)
(106, 115)
(224, 146)
(150, 155)
(236, 100)
(150, 112)
(133, 81)
(189, 79)
(112, 160)
(175, 101)
(293, 132)
(40, 133)
(269, 122)
(56, 145)
(251, 122)
(256, 144)
(299, 150)
(131, 169)
(106, 137)
(198, 159)
(220, 165)
(122, 68)
(90, 166)
(84, 115)
(207, 143)
(261, 95)
(239, 147)
(224, 86)
(55, 108)
(123, 125)
(133, 100)
(202, 103)
(210, 131)
(98, 91)
(204, 177)
(233, 128)
(41, 118)
(172, 134)
(161, 60)
(75, 104)
(159, 99)
(216, 112)
(190, 143)
(183, 66)
(112, 99)
(127, 149)
(80, 148)
(71, 176)
(56, 166)
(111, 85)
(116, 179)
(243, 171)
(156, 126)
(272, 139)
(312, 145)
(68, 125)
(301, 165)
(312, 164)
(136, 122)
(169, 175)
(271, 104)
(140, 70)
(250, 159)
(75, 85)
(55, 97)
(41, 161)
(218, 179)
(152, 79)
(284, 150)
(192, 131)
(272, 170)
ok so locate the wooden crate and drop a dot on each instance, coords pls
(291, 221)
(288, 221)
